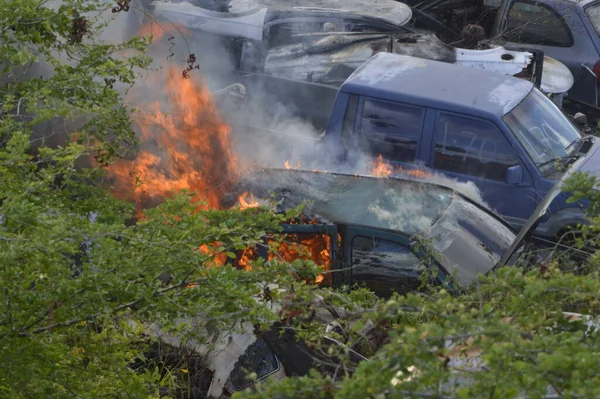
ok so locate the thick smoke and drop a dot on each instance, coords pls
(272, 125)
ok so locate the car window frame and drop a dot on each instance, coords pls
(359, 118)
(258, 379)
(437, 116)
(552, 12)
(406, 245)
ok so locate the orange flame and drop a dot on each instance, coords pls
(288, 165)
(218, 258)
(186, 145)
(246, 201)
(415, 173)
(313, 247)
(157, 31)
(381, 168)
(247, 256)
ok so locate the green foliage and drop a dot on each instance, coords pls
(79, 281)
(507, 336)
(52, 66)
(313, 387)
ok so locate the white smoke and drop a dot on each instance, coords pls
(405, 214)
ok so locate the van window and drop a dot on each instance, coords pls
(391, 130)
(536, 24)
(471, 147)
(349, 119)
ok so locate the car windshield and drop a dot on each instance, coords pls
(593, 13)
(407, 206)
(543, 130)
(468, 240)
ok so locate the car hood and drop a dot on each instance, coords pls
(590, 163)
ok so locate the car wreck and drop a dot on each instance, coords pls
(325, 43)
(331, 59)
(385, 233)
(375, 230)
(231, 360)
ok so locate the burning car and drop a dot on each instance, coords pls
(377, 231)
(407, 110)
(373, 233)
(385, 233)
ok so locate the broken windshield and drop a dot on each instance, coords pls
(406, 206)
(393, 204)
(466, 239)
(543, 130)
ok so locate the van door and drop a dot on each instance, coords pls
(473, 149)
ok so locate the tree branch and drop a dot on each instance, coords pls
(93, 317)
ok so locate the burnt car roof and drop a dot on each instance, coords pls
(425, 82)
(393, 203)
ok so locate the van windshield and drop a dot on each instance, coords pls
(543, 130)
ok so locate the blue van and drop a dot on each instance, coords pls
(496, 131)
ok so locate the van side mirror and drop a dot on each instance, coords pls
(514, 174)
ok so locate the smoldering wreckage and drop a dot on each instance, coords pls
(377, 190)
